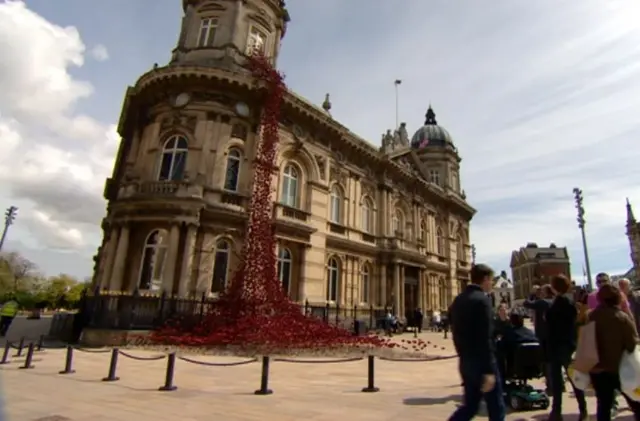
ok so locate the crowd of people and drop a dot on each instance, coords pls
(483, 340)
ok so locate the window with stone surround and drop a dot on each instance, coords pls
(153, 260)
(367, 217)
(289, 195)
(333, 280)
(173, 163)
(365, 284)
(207, 34)
(434, 177)
(256, 40)
(285, 263)
(232, 173)
(222, 255)
(440, 242)
(335, 211)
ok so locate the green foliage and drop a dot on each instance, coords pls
(19, 278)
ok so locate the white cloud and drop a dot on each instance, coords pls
(540, 97)
(53, 158)
(100, 53)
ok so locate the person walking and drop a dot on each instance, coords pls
(562, 332)
(615, 335)
(8, 312)
(471, 317)
(633, 301)
(539, 303)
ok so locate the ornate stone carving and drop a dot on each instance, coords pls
(178, 119)
(297, 132)
(205, 96)
(321, 161)
(369, 190)
(338, 175)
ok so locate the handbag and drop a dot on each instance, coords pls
(630, 374)
(587, 351)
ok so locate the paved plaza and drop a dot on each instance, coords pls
(408, 390)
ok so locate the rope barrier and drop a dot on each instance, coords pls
(418, 360)
(91, 351)
(137, 358)
(344, 360)
(210, 364)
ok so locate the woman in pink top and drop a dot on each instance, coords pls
(592, 301)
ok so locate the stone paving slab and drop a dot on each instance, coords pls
(316, 392)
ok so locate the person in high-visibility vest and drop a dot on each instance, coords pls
(8, 312)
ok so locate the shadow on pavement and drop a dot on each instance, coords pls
(432, 401)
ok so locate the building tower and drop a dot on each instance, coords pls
(633, 234)
(180, 124)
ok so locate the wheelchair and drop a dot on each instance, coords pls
(525, 363)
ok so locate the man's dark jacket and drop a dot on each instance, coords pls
(471, 319)
(562, 335)
(540, 307)
(519, 335)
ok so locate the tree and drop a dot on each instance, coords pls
(18, 271)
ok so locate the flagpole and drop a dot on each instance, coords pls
(396, 84)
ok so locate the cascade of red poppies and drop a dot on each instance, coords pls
(255, 313)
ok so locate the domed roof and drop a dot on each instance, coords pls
(431, 134)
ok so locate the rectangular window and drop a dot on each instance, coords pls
(207, 34)
(256, 42)
(434, 177)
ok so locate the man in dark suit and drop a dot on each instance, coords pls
(471, 317)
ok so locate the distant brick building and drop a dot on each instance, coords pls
(532, 265)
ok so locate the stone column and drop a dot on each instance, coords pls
(420, 289)
(120, 261)
(205, 265)
(396, 289)
(185, 285)
(302, 270)
(383, 285)
(169, 272)
(402, 297)
(109, 259)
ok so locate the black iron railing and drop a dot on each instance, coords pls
(107, 310)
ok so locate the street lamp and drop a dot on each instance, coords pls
(579, 199)
(473, 254)
(9, 218)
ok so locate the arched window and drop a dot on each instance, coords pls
(336, 205)
(397, 222)
(284, 269)
(333, 280)
(153, 258)
(424, 232)
(220, 266)
(290, 178)
(460, 250)
(232, 174)
(367, 215)
(174, 159)
(365, 285)
(440, 242)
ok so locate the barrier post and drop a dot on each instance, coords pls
(20, 347)
(113, 366)
(29, 358)
(264, 378)
(40, 343)
(68, 362)
(168, 380)
(371, 385)
(5, 353)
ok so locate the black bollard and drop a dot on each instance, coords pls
(264, 378)
(40, 343)
(29, 358)
(371, 385)
(168, 379)
(113, 366)
(68, 362)
(5, 354)
(20, 347)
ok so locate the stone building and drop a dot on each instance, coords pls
(357, 225)
(502, 292)
(532, 265)
(633, 234)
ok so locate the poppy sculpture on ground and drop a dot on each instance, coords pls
(254, 314)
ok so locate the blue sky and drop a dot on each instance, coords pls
(540, 97)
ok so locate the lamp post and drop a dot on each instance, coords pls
(473, 254)
(9, 218)
(579, 200)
